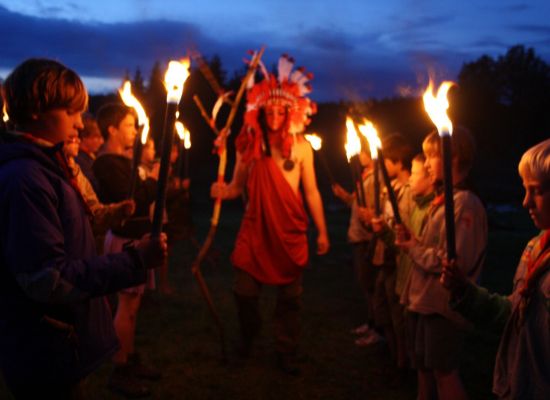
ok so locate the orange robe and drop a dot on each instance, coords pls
(272, 242)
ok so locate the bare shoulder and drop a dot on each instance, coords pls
(302, 148)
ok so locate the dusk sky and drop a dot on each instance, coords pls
(355, 48)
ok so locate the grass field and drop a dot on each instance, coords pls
(177, 332)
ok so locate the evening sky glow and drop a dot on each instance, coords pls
(355, 48)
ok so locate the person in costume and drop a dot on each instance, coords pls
(275, 166)
(522, 366)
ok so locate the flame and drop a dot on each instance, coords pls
(176, 75)
(130, 100)
(353, 144)
(5, 116)
(183, 134)
(437, 106)
(315, 141)
(368, 130)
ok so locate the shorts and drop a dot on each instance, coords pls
(434, 342)
(116, 244)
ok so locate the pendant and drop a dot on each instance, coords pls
(288, 165)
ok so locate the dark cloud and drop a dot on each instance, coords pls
(108, 50)
(515, 8)
(345, 66)
(325, 39)
(490, 42)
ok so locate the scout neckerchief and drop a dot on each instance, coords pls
(537, 265)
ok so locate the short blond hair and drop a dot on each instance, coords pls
(463, 147)
(535, 163)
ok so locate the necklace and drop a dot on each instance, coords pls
(288, 165)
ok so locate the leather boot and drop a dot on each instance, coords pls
(250, 322)
(287, 333)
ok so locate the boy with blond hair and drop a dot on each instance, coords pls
(522, 366)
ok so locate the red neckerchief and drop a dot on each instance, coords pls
(436, 203)
(536, 267)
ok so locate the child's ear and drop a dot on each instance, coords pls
(112, 130)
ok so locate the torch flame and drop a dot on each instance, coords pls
(176, 75)
(353, 144)
(315, 141)
(5, 116)
(183, 134)
(369, 132)
(130, 100)
(437, 106)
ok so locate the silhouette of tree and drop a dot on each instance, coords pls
(138, 84)
(505, 101)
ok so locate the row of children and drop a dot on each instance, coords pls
(422, 305)
(64, 186)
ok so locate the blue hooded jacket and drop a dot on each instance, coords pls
(55, 325)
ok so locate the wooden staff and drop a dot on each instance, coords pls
(211, 123)
(222, 153)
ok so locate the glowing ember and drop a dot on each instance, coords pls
(183, 134)
(130, 100)
(176, 75)
(368, 130)
(315, 141)
(437, 106)
(353, 144)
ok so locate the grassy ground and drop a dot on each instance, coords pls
(178, 334)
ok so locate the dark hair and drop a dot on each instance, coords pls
(112, 114)
(262, 122)
(39, 85)
(397, 149)
(90, 126)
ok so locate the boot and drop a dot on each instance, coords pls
(287, 324)
(250, 323)
(142, 370)
(288, 364)
(124, 382)
(287, 333)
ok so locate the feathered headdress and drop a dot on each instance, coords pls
(289, 89)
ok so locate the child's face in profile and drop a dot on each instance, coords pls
(419, 180)
(126, 131)
(71, 147)
(537, 201)
(393, 168)
(148, 153)
(434, 166)
(59, 125)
